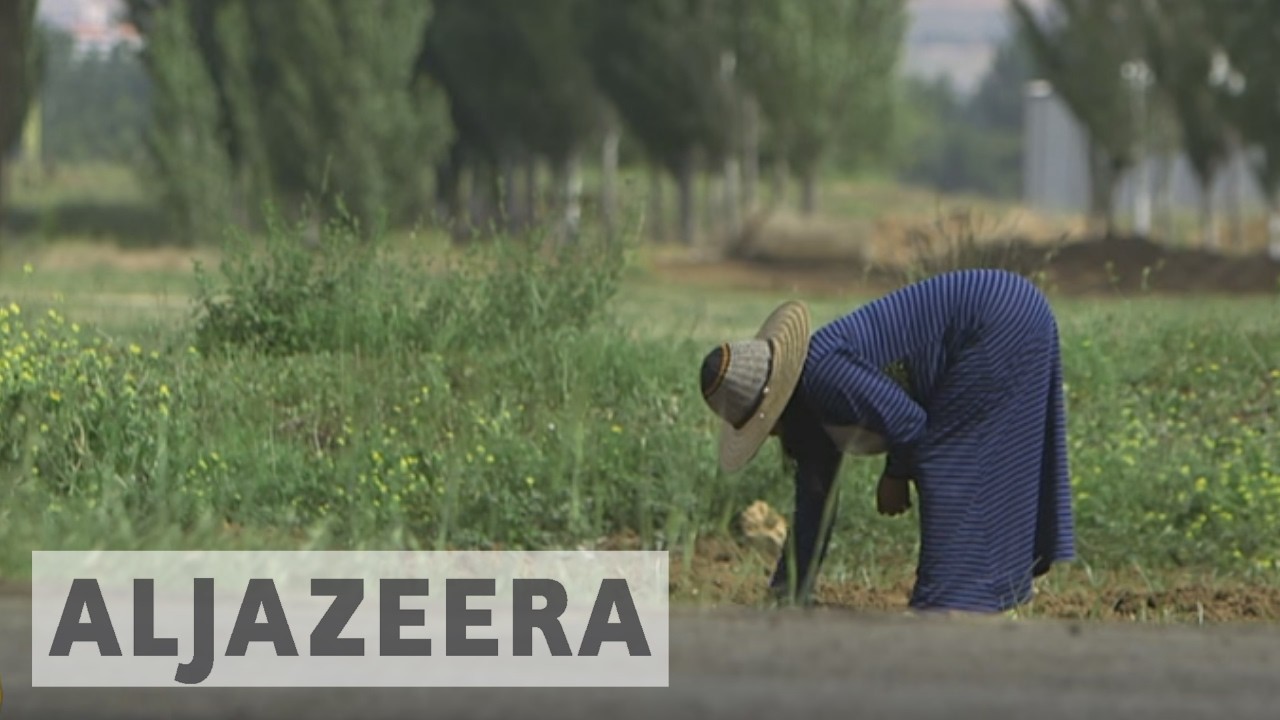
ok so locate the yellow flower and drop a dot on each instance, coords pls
(135, 349)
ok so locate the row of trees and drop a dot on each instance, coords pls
(457, 105)
(461, 107)
(1150, 76)
(19, 69)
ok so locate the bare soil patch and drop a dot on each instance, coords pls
(823, 258)
(723, 572)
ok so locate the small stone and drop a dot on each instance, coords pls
(763, 527)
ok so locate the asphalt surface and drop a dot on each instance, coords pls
(746, 664)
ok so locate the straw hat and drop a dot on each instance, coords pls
(748, 382)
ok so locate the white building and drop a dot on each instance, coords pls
(1056, 173)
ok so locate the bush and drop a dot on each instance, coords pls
(346, 292)
(346, 395)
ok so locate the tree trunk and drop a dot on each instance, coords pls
(1101, 190)
(482, 199)
(1164, 198)
(729, 199)
(750, 152)
(609, 178)
(569, 189)
(1273, 226)
(448, 185)
(531, 189)
(1208, 222)
(685, 180)
(1142, 199)
(808, 192)
(4, 168)
(707, 202)
(1235, 207)
(657, 211)
(509, 210)
(778, 181)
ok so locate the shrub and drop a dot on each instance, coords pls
(346, 292)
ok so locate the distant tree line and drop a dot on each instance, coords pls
(490, 114)
(969, 142)
(1207, 73)
(19, 69)
(463, 106)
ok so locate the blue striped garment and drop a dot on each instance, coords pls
(962, 375)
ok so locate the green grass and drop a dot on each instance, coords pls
(357, 398)
(352, 400)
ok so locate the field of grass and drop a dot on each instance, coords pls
(356, 398)
(363, 403)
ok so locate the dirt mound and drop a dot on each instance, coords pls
(1131, 264)
(819, 259)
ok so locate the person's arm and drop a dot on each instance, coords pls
(817, 467)
(898, 464)
(849, 391)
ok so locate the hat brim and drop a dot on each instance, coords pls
(787, 328)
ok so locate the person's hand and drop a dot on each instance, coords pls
(893, 495)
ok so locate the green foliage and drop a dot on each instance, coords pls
(19, 67)
(1170, 457)
(514, 74)
(316, 101)
(997, 102)
(974, 144)
(659, 62)
(534, 419)
(507, 409)
(835, 58)
(337, 102)
(950, 146)
(354, 293)
(189, 166)
(93, 108)
(21, 60)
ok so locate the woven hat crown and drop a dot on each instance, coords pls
(734, 377)
(748, 382)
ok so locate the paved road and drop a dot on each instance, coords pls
(747, 664)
